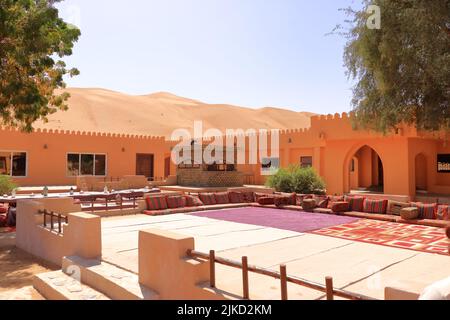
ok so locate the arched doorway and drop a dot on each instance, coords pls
(366, 172)
(421, 173)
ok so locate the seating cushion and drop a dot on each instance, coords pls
(333, 199)
(426, 210)
(280, 201)
(259, 195)
(309, 204)
(395, 207)
(340, 206)
(193, 201)
(156, 203)
(3, 209)
(375, 206)
(443, 212)
(356, 203)
(222, 198)
(292, 199)
(208, 198)
(236, 197)
(249, 196)
(409, 213)
(267, 200)
(157, 212)
(176, 202)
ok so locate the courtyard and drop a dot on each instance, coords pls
(295, 239)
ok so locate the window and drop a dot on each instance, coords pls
(306, 162)
(13, 163)
(86, 164)
(269, 166)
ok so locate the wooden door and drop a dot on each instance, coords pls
(144, 165)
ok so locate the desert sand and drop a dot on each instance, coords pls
(160, 113)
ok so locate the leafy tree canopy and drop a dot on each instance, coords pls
(32, 37)
(402, 69)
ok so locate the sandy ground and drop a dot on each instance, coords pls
(161, 113)
(17, 269)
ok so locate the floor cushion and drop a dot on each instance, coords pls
(426, 210)
(222, 198)
(443, 212)
(249, 196)
(267, 200)
(174, 202)
(2, 221)
(333, 199)
(236, 197)
(193, 201)
(375, 206)
(309, 204)
(292, 199)
(208, 198)
(395, 207)
(356, 203)
(259, 195)
(280, 201)
(410, 213)
(156, 203)
(340, 206)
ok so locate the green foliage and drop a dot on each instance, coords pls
(31, 37)
(6, 184)
(297, 179)
(403, 68)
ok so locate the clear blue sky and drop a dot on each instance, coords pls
(252, 53)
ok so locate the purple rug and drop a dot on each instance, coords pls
(277, 218)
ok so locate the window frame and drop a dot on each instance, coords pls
(11, 163)
(309, 165)
(93, 164)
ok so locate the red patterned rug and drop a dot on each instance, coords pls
(405, 236)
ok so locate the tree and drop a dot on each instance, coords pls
(402, 69)
(32, 36)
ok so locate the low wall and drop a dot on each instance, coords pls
(165, 267)
(200, 178)
(81, 236)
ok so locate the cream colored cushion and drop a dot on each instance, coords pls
(395, 207)
(409, 213)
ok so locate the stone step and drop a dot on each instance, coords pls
(117, 283)
(59, 286)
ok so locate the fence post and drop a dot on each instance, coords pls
(329, 287)
(283, 279)
(246, 294)
(212, 268)
(51, 220)
(59, 223)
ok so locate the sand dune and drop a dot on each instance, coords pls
(161, 113)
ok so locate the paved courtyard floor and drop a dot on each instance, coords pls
(355, 266)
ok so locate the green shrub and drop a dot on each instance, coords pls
(6, 185)
(297, 179)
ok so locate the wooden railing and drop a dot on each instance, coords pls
(60, 218)
(328, 288)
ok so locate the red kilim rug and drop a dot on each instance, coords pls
(406, 236)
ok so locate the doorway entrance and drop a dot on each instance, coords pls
(144, 165)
